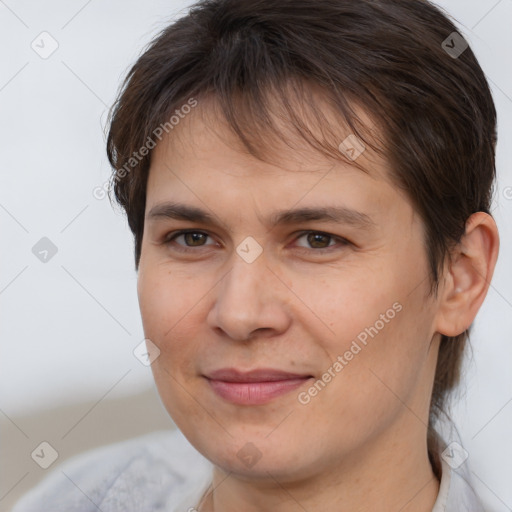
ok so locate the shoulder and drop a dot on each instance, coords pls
(143, 473)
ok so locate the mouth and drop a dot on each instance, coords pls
(255, 387)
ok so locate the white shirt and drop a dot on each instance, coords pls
(161, 472)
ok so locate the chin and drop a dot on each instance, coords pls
(259, 459)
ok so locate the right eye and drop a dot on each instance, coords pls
(190, 236)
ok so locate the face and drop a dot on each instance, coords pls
(292, 317)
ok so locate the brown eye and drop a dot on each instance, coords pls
(191, 239)
(318, 240)
(194, 239)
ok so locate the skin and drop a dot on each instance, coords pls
(359, 443)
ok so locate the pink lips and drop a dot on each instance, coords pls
(254, 387)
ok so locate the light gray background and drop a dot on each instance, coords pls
(69, 326)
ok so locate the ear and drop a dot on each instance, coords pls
(468, 275)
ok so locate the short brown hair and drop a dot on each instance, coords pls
(434, 109)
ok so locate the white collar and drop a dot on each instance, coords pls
(456, 493)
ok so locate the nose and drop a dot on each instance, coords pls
(250, 301)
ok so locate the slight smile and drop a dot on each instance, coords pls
(255, 387)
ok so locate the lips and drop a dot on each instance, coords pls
(254, 387)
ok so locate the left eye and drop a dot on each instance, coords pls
(315, 239)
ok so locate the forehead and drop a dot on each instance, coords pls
(202, 152)
(297, 121)
(308, 143)
(203, 174)
(203, 161)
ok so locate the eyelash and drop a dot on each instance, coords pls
(171, 237)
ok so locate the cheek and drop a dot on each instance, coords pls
(337, 306)
(378, 322)
(166, 300)
(388, 368)
(171, 309)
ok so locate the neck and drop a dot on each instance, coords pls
(377, 477)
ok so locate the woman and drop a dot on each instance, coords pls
(308, 184)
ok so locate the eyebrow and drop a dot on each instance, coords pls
(342, 215)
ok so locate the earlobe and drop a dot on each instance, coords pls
(468, 275)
